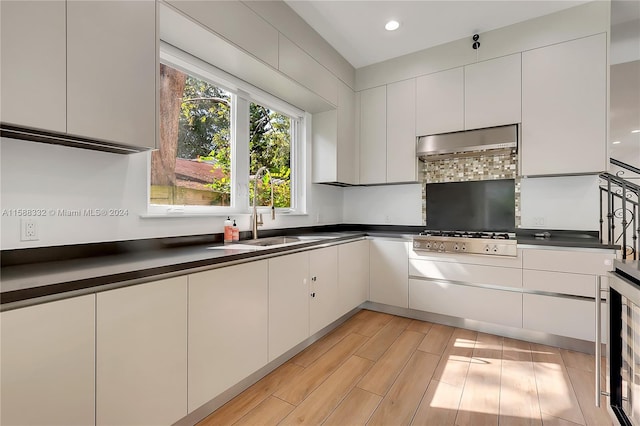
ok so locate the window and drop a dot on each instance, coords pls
(193, 164)
(216, 132)
(270, 147)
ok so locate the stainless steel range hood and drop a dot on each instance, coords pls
(469, 141)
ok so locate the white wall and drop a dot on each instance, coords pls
(384, 205)
(41, 176)
(568, 202)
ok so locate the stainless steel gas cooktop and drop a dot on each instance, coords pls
(490, 243)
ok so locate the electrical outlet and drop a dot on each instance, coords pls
(387, 219)
(28, 230)
(538, 221)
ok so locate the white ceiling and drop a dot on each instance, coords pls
(355, 28)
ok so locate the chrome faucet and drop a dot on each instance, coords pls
(256, 219)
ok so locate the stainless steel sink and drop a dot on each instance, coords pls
(274, 241)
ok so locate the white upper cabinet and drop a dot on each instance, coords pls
(373, 135)
(402, 163)
(492, 92)
(564, 101)
(334, 141)
(254, 34)
(112, 67)
(300, 66)
(33, 64)
(440, 102)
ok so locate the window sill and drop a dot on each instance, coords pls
(187, 214)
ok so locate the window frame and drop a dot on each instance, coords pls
(242, 95)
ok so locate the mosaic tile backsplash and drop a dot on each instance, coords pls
(484, 165)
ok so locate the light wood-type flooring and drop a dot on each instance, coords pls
(380, 369)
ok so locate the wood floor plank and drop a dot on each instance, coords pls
(480, 401)
(548, 420)
(252, 397)
(319, 348)
(401, 402)
(555, 391)
(420, 326)
(269, 412)
(518, 391)
(435, 342)
(368, 323)
(439, 406)
(378, 344)
(311, 377)
(454, 363)
(355, 409)
(382, 375)
(578, 360)
(519, 404)
(584, 383)
(322, 401)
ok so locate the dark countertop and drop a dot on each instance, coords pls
(49, 271)
(560, 238)
(29, 281)
(629, 269)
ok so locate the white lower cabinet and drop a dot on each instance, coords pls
(141, 356)
(227, 328)
(288, 302)
(353, 275)
(562, 316)
(323, 307)
(48, 363)
(482, 304)
(389, 272)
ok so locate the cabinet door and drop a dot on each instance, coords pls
(389, 272)
(33, 64)
(564, 101)
(492, 92)
(334, 141)
(227, 328)
(440, 102)
(48, 363)
(373, 135)
(112, 69)
(141, 368)
(353, 275)
(347, 172)
(300, 66)
(241, 25)
(323, 288)
(288, 302)
(402, 163)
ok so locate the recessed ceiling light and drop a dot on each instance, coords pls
(635, 131)
(615, 142)
(392, 25)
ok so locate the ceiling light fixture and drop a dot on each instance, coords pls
(615, 142)
(392, 25)
(635, 131)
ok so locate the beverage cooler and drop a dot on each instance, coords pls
(623, 348)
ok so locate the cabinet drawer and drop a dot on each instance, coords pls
(482, 304)
(561, 316)
(583, 262)
(475, 274)
(472, 259)
(559, 282)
